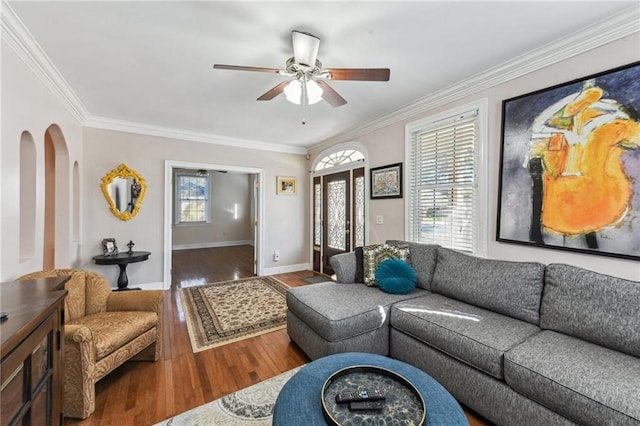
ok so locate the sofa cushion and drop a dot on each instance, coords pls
(583, 382)
(374, 254)
(112, 330)
(395, 276)
(592, 306)
(510, 288)
(470, 334)
(423, 260)
(337, 312)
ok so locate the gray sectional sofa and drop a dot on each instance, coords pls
(521, 343)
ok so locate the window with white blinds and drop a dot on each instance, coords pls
(442, 181)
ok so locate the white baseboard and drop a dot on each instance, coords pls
(287, 268)
(212, 244)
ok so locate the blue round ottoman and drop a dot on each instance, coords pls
(299, 401)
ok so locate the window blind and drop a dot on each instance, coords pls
(442, 182)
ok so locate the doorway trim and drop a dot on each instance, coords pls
(364, 163)
(169, 165)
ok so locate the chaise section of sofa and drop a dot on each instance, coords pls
(328, 318)
(348, 316)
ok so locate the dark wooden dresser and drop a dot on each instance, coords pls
(31, 351)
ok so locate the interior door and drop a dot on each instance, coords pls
(336, 213)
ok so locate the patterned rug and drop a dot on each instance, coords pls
(229, 311)
(249, 406)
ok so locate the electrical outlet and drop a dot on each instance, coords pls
(379, 219)
(276, 255)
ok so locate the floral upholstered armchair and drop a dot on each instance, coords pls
(102, 330)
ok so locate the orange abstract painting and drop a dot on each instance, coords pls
(570, 166)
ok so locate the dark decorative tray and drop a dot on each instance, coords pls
(403, 404)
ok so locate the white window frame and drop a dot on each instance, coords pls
(178, 200)
(481, 165)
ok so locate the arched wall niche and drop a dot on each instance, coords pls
(57, 207)
(27, 194)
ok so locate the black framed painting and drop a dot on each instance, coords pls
(570, 166)
(386, 181)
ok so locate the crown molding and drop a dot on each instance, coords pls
(166, 132)
(617, 26)
(25, 46)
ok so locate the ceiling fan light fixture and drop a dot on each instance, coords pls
(293, 92)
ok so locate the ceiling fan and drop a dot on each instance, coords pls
(309, 85)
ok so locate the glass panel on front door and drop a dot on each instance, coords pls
(359, 212)
(336, 220)
(317, 215)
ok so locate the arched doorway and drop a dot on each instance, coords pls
(338, 203)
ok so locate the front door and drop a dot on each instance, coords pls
(338, 216)
(336, 201)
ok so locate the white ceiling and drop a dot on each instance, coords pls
(149, 64)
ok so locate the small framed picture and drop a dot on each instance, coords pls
(286, 185)
(386, 181)
(109, 247)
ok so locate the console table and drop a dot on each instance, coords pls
(31, 351)
(122, 260)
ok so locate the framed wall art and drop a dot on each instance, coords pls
(386, 181)
(286, 185)
(570, 166)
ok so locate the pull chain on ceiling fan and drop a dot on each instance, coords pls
(309, 84)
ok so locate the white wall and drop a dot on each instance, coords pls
(229, 213)
(285, 226)
(386, 146)
(28, 104)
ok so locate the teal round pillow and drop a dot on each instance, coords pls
(395, 276)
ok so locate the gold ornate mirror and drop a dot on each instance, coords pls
(124, 190)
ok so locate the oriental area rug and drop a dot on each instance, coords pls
(249, 406)
(229, 311)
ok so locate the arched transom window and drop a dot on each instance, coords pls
(339, 158)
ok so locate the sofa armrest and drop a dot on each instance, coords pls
(344, 265)
(79, 371)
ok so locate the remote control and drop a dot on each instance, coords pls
(363, 395)
(367, 405)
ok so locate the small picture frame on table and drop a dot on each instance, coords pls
(109, 247)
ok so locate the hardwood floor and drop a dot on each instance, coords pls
(144, 393)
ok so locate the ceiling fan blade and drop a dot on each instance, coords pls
(330, 95)
(362, 74)
(273, 92)
(305, 48)
(242, 68)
